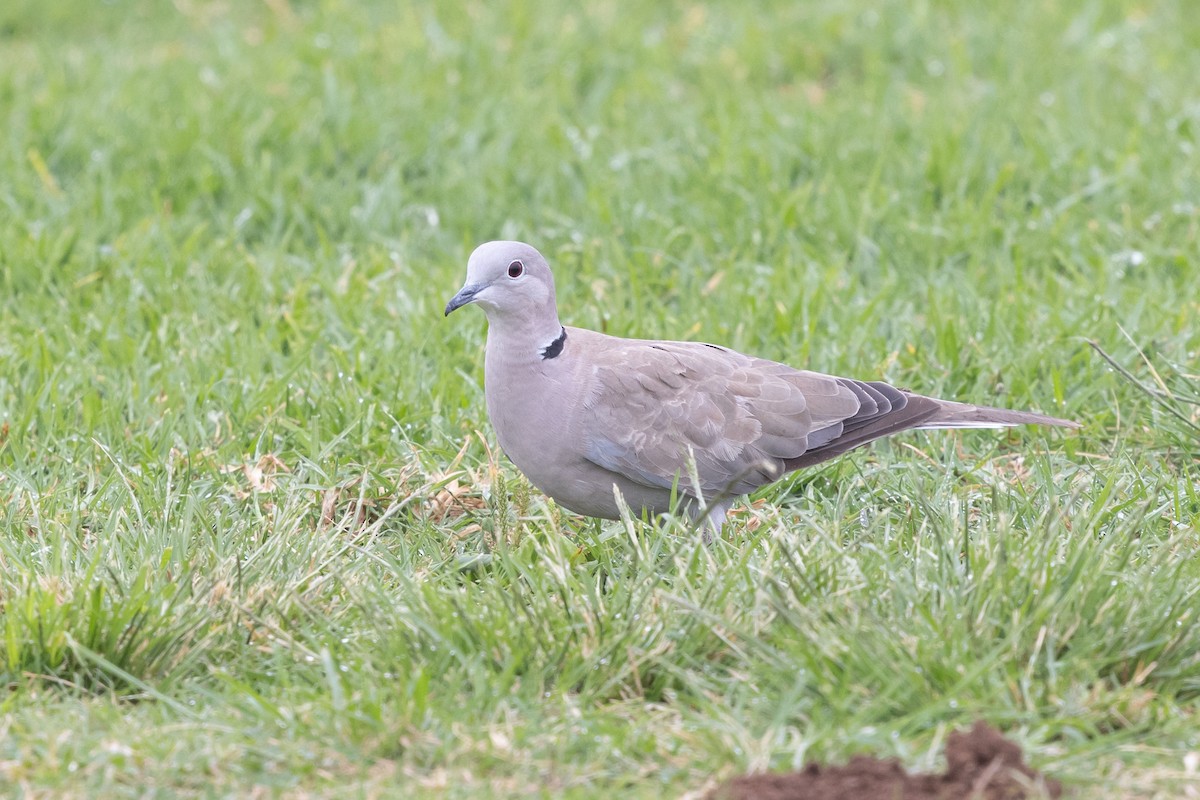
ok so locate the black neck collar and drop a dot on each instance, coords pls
(554, 348)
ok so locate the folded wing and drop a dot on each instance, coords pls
(651, 407)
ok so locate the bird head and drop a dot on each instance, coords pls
(508, 279)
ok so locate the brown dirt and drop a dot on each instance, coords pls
(981, 765)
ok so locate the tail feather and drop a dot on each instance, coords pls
(962, 415)
(903, 411)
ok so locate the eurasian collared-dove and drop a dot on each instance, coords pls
(587, 416)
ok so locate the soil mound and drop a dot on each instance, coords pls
(981, 765)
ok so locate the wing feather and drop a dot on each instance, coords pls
(653, 406)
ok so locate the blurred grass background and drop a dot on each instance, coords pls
(254, 538)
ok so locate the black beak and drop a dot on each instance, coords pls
(465, 295)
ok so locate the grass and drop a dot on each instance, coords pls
(254, 538)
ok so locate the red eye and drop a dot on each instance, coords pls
(516, 269)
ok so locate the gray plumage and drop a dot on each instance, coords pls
(587, 416)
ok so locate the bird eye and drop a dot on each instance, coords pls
(516, 269)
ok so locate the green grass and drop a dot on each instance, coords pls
(234, 421)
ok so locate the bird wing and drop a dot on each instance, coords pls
(650, 407)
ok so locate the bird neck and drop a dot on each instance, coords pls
(528, 337)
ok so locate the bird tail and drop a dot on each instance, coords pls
(962, 415)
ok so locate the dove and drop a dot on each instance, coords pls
(599, 422)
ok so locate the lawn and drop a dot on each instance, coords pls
(255, 534)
